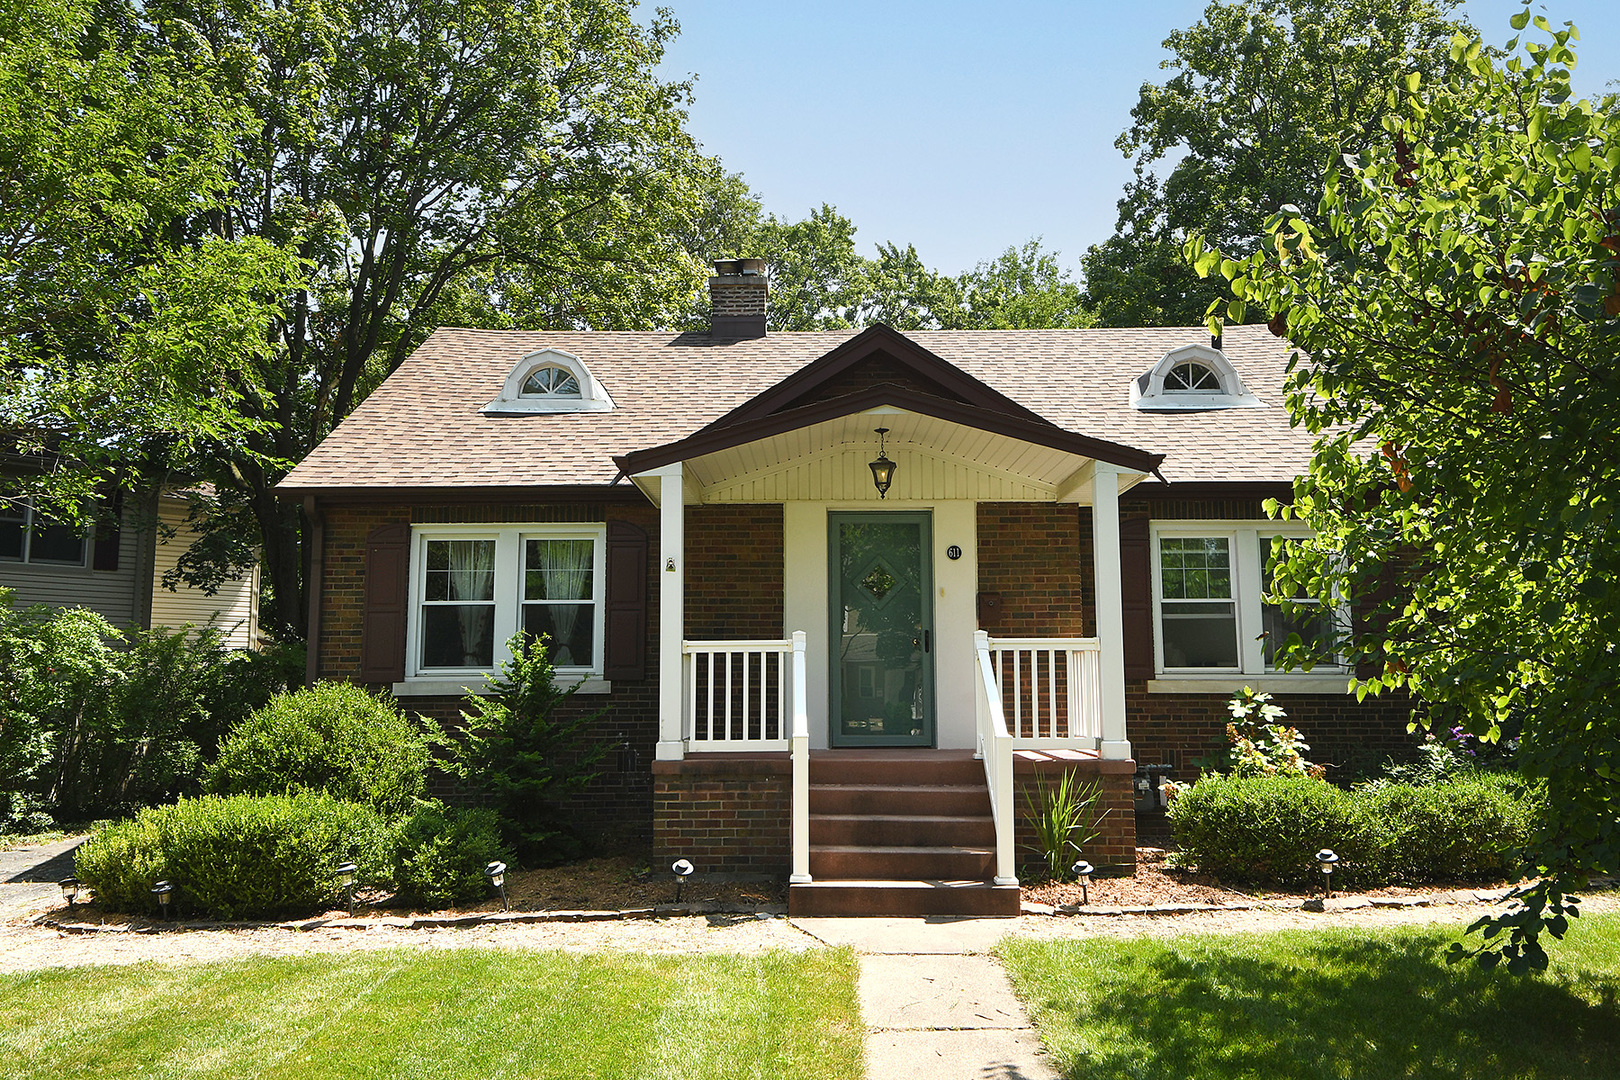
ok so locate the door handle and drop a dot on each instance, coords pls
(926, 637)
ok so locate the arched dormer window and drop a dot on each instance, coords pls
(551, 381)
(1189, 378)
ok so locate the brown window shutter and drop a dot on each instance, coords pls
(1136, 586)
(108, 534)
(626, 651)
(382, 624)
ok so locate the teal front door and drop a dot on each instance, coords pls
(882, 623)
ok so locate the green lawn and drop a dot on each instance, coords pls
(457, 1013)
(1357, 1004)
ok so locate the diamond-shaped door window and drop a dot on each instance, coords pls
(879, 581)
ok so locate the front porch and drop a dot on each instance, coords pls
(884, 645)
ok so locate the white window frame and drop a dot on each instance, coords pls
(1149, 394)
(1243, 538)
(592, 396)
(86, 544)
(509, 540)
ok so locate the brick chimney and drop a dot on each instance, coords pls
(737, 295)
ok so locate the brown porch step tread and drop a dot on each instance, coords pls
(887, 896)
(915, 819)
(899, 849)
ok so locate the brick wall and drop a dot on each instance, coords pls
(1116, 847)
(734, 572)
(728, 816)
(1032, 555)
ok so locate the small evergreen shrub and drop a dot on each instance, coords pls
(1266, 829)
(240, 856)
(331, 737)
(519, 749)
(442, 853)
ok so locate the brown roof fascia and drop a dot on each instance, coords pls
(874, 339)
(710, 440)
(494, 496)
(1282, 491)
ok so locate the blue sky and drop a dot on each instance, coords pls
(963, 127)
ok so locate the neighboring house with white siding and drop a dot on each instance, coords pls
(117, 570)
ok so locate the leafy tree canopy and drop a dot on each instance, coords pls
(1263, 96)
(495, 162)
(127, 333)
(1456, 301)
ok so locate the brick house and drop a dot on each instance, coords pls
(807, 674)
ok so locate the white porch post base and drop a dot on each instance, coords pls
(669, 751)
(1114, 751)
(1004, 881)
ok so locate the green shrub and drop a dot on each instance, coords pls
(442, 853)
(235, 857)
(92, 720)
(1267, 828)
(1465, 827)
(331, 737)
(519, 748)
(1264, 828)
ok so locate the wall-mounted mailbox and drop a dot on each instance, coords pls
(989, 609)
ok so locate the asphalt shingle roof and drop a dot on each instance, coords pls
(422, 427)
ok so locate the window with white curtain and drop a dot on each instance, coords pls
(473, 587)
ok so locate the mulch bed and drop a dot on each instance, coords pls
(1156, 884)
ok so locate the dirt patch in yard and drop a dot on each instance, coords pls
(1157, 884)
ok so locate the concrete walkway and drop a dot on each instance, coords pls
(29, 876)
(935, 1003)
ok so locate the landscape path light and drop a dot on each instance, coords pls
(344, 872)
(496, 872)
(70, 889)
(1083, 870)
(1325, 860)
(682, 870)
(162, 891)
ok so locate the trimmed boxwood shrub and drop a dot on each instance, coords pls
(443, 852)
(1266, 829)
(331, 737)
(240, 856)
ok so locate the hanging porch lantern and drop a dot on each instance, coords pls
(882, 468)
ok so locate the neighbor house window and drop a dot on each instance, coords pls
(474, 587)
(31, 538)
(1210, 584)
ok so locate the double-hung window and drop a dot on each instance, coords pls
(474, 587)
(1210, 585)
(31, 538)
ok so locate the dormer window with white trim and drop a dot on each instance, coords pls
(551, 381)
(1193, 377)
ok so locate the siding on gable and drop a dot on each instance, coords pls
(234, 608)
(109, 592)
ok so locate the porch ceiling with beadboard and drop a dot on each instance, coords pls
(936, 459)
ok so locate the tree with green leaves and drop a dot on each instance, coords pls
(129, 335)
(502, 163)
(1263, 96)
(1455, 297)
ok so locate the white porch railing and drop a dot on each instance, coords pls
(1050, 691)
(737, 695)
(996, 748)
(801, 768)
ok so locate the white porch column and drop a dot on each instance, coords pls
(1110, 607)
(671, 609)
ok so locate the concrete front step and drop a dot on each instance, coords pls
(896, 862)
(879, 896)
(901, 830)
(964, 800)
